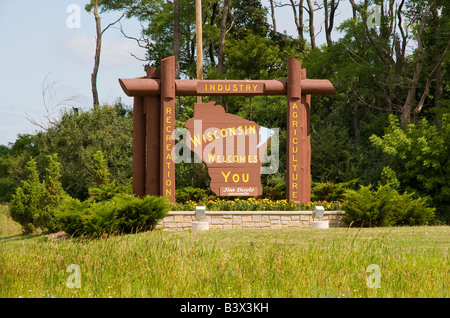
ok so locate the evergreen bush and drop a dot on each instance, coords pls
(385, 207)
(111, 208)
(420, 157)
(329, 191)
(36, 204)
(27, 201)
(105, 189)
(122, 214)
(186, 194)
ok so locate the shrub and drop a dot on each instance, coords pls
(54, 196)
(108, 191)
(77, 137)
(388, 176)
(186, 194)
(105, 189)
(134, 214)
(385, 207)
(72, 217)
(35, 204)
(100, 169)
(277, 192)
(111, 208)
(414, 211)
(331, 191)
(124, 213)
(420, 157)
(26, 201)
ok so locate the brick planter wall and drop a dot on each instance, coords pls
(182, 220)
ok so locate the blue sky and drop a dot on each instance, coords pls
(36, 44)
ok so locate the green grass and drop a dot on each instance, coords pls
(7, 224)
(413, 261)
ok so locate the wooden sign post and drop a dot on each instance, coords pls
(298, 157)
(154, 122)
(167, 126)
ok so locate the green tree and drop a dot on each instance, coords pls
(104, 188)
(334, 157)
(27, 202)
(249, 16)
(7, 185)
(389, 177)
(54, 196)
(12, 160)
(100, 171)
(251, 57)
(78, 137)
(419, 155)
(396, 74)
(35, 204)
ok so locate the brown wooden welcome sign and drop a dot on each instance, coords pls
(232, 148)
(235, 167)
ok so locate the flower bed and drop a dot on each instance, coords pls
(253, 204)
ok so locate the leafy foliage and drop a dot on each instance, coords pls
(389, 177)
(12, 161)
(385, 207)
(108, 191)
(329, 191)
(27, 201)
(36, 204)
(100, 171)
(78, 137)
(124, 213)
(192, 194)
(105, 189)
(419, 155)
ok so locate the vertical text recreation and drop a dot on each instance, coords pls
(167, 126)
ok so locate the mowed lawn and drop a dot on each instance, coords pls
(337, 262)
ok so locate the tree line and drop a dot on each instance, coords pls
(391, 109)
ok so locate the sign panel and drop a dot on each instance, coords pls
(238, 191)
(293, 160)
(218, 87)
(232, 147)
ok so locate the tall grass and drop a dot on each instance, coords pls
(413, 261)
(7, 224)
